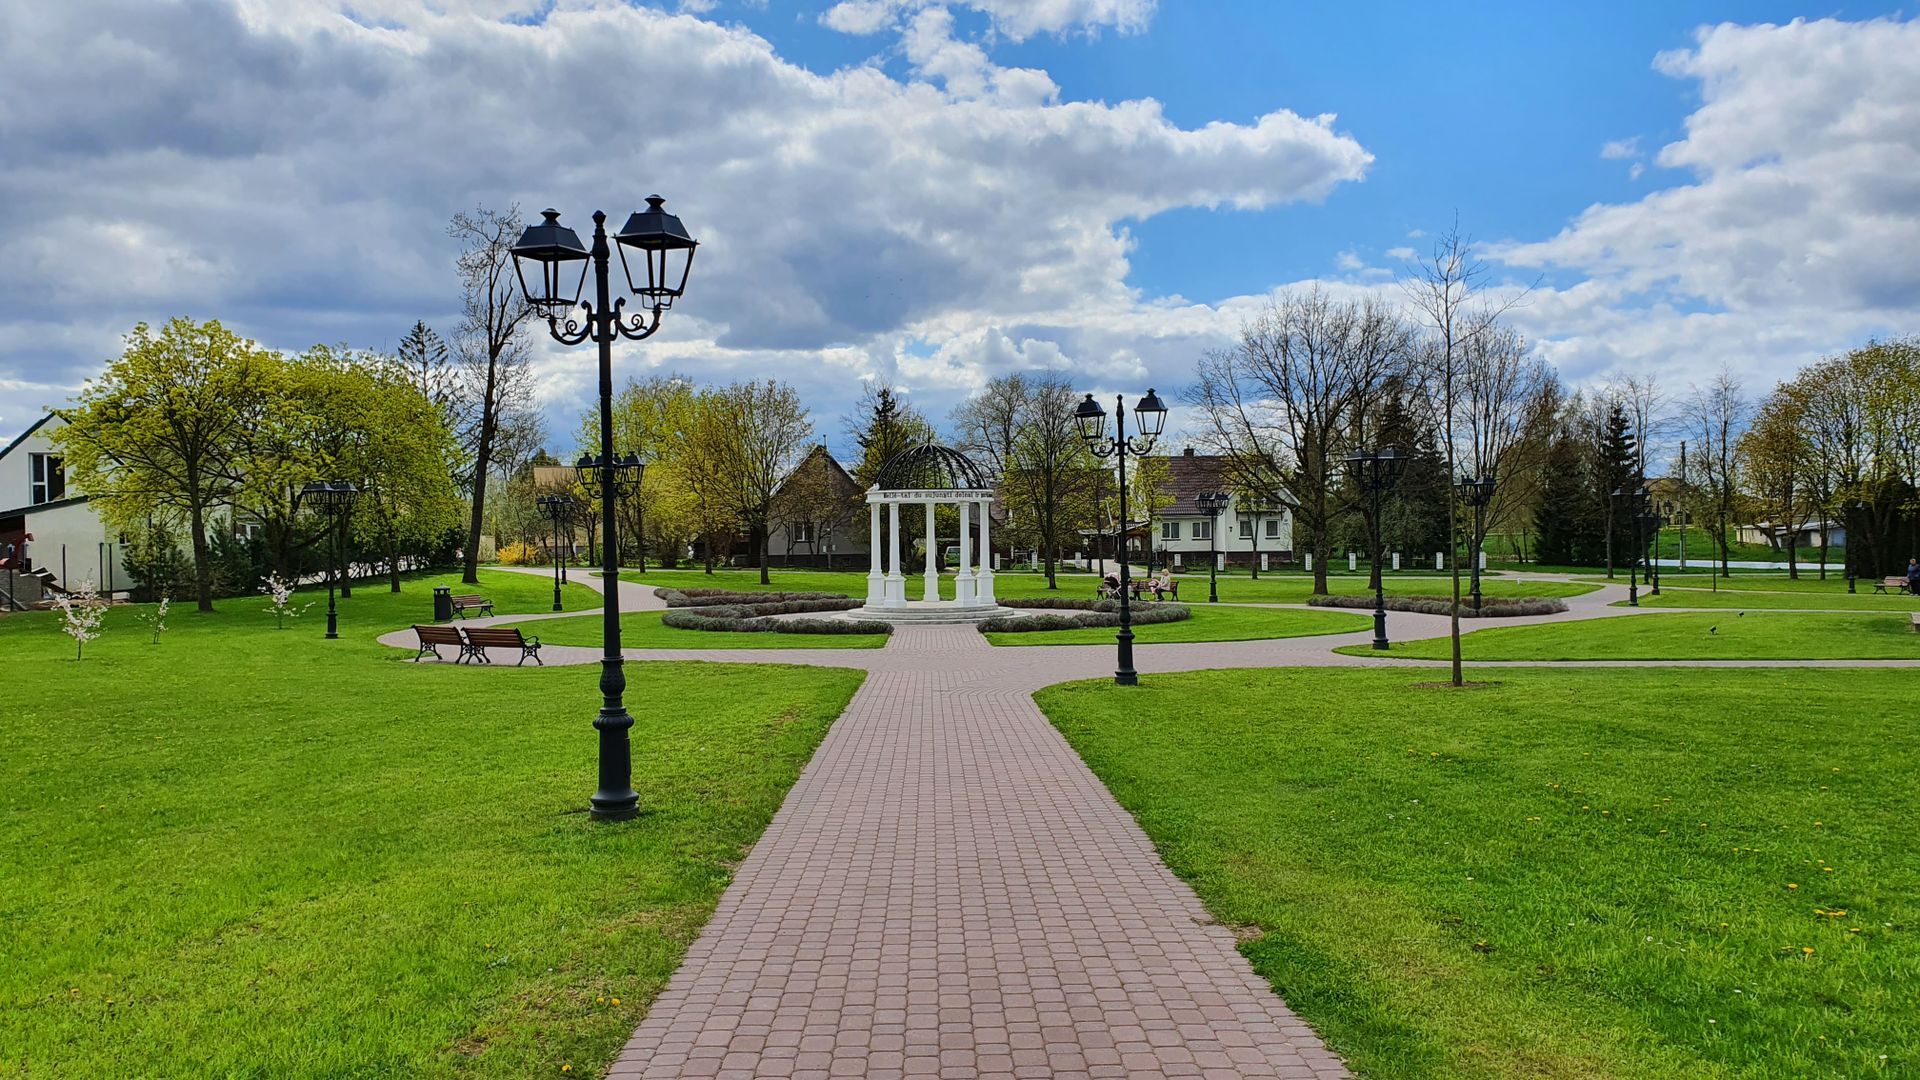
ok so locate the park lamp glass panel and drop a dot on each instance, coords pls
(547, 249)
(629, 472)
(1091, 419)
(1150, 414)
(665, 250)
(1388, 462)
(586, 469)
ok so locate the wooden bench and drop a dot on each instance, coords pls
(482, 638)
(1891, 584)
(432, 637)
(464, 604)
(1141, 590)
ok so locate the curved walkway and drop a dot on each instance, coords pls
(949, 891)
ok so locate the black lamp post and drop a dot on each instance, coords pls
(1477, 494)
(1853, 507)
(558, 509)
(665, 250)
(1649, 538)
(1636, 503)
(1376, 471)
(1150, 415)
(1211, 503)
(333, 501)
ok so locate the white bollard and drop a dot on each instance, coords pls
(1483, 559)
(1439, 560)
(1309, 562)
(1177, 560)
(1396, 560)
(1353, 562)
(996, 560)
(1220, 560)
(1263, 561)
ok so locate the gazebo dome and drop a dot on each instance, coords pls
(929, 466)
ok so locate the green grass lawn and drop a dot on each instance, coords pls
(1674, 874)
(1292, 588)
(642, 630)
(1210, 622)
(1777, 592)
(251, 852)
(1716, 635)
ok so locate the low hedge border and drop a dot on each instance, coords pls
(1089, 614)
(682, 598)
(1491, 607)
(751, 613)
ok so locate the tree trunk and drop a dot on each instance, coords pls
(482, 463)
(760, 543)
(393, 560)
(346, 560)
(202, 569)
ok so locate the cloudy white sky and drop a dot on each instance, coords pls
(940, 192)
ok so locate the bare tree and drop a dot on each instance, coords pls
(1281, 405)
(1505, 394)
(1716, 413)
(1446, 290)
(1023, 427)
(492, 348)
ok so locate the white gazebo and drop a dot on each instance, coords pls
(930, 476)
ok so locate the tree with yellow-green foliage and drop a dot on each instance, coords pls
(166, 428)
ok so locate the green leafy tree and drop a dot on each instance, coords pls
(164, 431)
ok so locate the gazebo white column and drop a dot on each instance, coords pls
(876, 581)
(963, 578)
(983, 581)
(932, 593)
(896, 589)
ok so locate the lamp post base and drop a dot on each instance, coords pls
(1125, 675)
(1379, 624)
(616, 799)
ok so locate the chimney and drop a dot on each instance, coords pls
(1189, 451)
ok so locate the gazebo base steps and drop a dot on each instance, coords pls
(945, 611)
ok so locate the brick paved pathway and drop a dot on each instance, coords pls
(949, 891)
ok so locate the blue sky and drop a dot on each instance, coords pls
(937, 192)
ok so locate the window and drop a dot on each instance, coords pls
(802, 532)
(1246, 528)
(1169, 530)
(1203, 530)
(47, 476)
(1273, 528)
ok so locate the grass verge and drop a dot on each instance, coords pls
(1210, 622)
(1550, 876)
(642, 630)
(251, 852)
(1685, 635)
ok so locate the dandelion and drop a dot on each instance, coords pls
(1791, 885)
(1806, 950)
(616, 1001)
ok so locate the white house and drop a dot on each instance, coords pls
(69, 540)
(1183, 533)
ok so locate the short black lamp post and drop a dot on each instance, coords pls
(559, 510)
(1376, 471)
(1150, 416)
(1634, 503)
(1650, 521)
(660, 243)
(333, 501)
(1477, 494)
(1211, 503)
(1854, 508)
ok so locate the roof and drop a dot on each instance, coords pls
(930, 467)
(1189, 476)
(41, 508)
(37, 425)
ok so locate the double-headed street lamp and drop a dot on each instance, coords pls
(1477, 494)
(1650, 521)
(1150, 416)
(559, 510)
(1211, 503)
(1375, 471)
(334, 501)
(661, 244)
(1636, 516)
(1854, 508)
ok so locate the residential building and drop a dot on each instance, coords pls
(819, 516)
(70, 544)
(1248, 534)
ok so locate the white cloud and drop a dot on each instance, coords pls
(1403, 254)
(1015, 19)
(290, 170)
(1621, 149)
(1347, 260)
(1799, 231)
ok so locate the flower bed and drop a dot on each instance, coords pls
(1491, 607)
(1087, 613)
(738, 612)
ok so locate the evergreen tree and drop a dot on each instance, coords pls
(1614, 468)
(1564, 528)
(883, 425)
(1414, 513)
